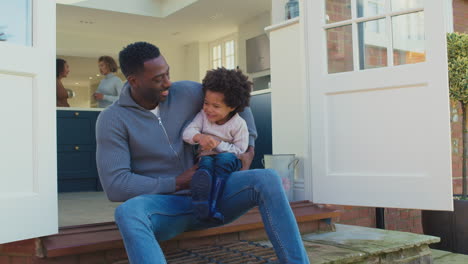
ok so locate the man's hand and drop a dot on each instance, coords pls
(247, 158)
(184, 179)
(98, 96)
(206, 142)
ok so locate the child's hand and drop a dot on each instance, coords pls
(206, 142)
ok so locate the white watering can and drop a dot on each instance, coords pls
(284, 165)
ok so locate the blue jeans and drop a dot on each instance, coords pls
(145, 220)
(220, 165)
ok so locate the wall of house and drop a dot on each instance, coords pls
(460, 15)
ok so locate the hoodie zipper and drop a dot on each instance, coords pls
(169, 141)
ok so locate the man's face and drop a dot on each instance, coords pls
(153, 83)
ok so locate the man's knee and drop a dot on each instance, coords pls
(131, 209)
(268, 178)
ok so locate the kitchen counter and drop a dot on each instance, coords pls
(80, 109)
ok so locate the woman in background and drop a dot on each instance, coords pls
(62, 70)
(109, 88)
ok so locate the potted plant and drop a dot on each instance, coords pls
(452, 227)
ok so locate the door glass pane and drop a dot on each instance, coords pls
(408, 38)
(337, 10)
(372, 44)
(367, 8)
(15, 22)
(407, 4)
(340, 49)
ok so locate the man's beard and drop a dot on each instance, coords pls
(153, 96)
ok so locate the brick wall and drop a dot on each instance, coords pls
(460, 15)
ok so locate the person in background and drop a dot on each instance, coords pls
(62, 70)
(109, 88)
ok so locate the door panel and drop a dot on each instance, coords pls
(380, 133)
(28, 189)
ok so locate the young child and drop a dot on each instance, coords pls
(221, 134)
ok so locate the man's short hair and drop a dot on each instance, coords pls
(133, 57)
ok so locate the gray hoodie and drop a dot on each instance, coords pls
(139, 154)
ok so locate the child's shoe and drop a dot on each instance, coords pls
(201, 193)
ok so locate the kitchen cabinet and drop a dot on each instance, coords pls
(76, 151)
(260, 105)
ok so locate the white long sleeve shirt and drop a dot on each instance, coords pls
(233, 134)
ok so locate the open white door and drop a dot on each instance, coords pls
(379, 104)
(28, 193)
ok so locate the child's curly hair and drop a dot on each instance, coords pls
(233, 84)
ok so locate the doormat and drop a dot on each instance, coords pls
(243, 252)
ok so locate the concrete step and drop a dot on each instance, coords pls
(355, 244)
(446, 257)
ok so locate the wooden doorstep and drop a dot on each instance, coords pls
(105, 236)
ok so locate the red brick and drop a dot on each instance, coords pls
(367, 222)
(364, 212)
(95, 258)
(4, 260)
(348, 215)
(415, 213)
(20, 260)
(404, 214)
(253, 235)
(23, 247)
(59, 260)
(116, 254)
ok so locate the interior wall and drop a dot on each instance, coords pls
(82, 96)
(250, 29)
(191, 62)
(204, 61)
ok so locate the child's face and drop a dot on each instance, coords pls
(215, 108)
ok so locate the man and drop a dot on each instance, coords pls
(143, 160)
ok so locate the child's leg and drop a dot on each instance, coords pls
(224, 165)
(201, 185)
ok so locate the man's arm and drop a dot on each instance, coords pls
(249, 119)
(117, 85)
(248, 156)
(113, 163)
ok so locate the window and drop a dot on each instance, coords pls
(223, 53)
(365, 34)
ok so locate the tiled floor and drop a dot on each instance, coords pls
(80, 208)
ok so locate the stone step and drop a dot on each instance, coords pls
(446, 257)
(355, 244)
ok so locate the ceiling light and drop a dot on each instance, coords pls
(89, 22)
(98, 75)
(77, 83)
(90, 78)
(216, 16)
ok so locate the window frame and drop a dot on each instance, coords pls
(222, 43)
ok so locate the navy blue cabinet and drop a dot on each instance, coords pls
(261, 110)
(76, 151)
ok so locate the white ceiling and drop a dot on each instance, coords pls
(87, 32)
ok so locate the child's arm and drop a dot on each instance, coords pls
(193, 129)
(240, 142)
